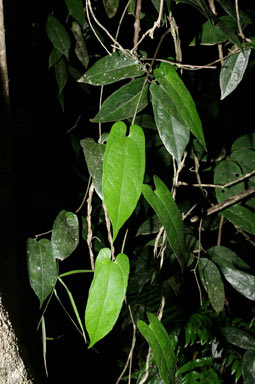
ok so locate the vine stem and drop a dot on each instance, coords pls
(109, 233)
(90, 235)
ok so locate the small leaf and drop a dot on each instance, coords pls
(54, 57)
(123, 103)
(248, 365)
(123, 172)
(42, 267)
(239, 338)
(212, 282)
(165, 207)
(80, 47)
(106, 294)
(75, 8)
(112, 68)
(232, 72)
(225, 256)
(61, 74)
(162, 348)
(111, 7)
(58, 35)
(172, 129)
(65, 235)
(243, 282)
(94, 155)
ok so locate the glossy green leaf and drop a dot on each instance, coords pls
(94, 155)
(54, 57)
(151, 225)
(131, 7)
(244, 142)
(65, 234)
(123, 102)
(112, 68)
(111, 7)
(80, 47)
(106, 294)
(210, 33)
(212, 282)
(160, 343)
(191, 365)
(61, 74)
(75, 8)
(232, 72)
(248, 367)
(165, 207)
(145, 120)
(58, 35)
(241, 216)
(42, 267)
(225, 172)
(123, 172)
(243, 282)
(231, 34)
(225, 256)
(172, 129)
(230, 9)
(238, 337)
(246, 160)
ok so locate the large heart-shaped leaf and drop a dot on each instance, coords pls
(123, 172)
(112, 68)
(212, 282)
(243, 282)
(232, 72)
(106, 294)
(123, 103)
(94, 155)
(162, 348)
(58, 35)
(181, 99)
(42, 267)
(65, 234)
(165, 207)
(75, 8)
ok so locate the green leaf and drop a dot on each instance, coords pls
(80, 47)
(165, 207)
(241, 216)
(243, 282)
(225, 256)
(232, 72)
(58, 35)
(160, 343)
(225, 172)
(172, 130)
(61, 74)
(246, 160)
(244, 142)
(248, 365)
(123, 102)
(112, 68)
(210, 34)
(65, 235)
(54, 57)
(201, 5)
(229, 32)
(42, 267)
(239, 338)
(75, 8)
(123, 172)
(212, 282)
(111, 7)
(191, 365)
(106, 294)
(94, 155)
(151, 225)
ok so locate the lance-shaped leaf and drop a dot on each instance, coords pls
(65, 234)
(75, 8)
(94, 155)
(165, 207)
(123, 172)
(111, 7)
(181, 98)
(106, 294)
(61, 74)
(80, 47)
(42, 267)
(112, 68)
(225, 256)
(243, 282)
(212, 282)
(240, 338)
(123, 103)
(162, 348)
(248, 365)
(232, 72)
(58, 35)
(54, 57)
(172, 130)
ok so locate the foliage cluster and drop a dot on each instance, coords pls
(165, 193)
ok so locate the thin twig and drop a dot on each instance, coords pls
(100, 104)
(137, 27)
(155, 249)
(197, 262)
(90, 234)
(109, 233)
(183, 66)
(120, 22)
(213, 9)
(74, 126)
(176, 38)
(220, 230)
(238, 20)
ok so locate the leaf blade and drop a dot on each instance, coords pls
(58, 35)
(241, 281)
